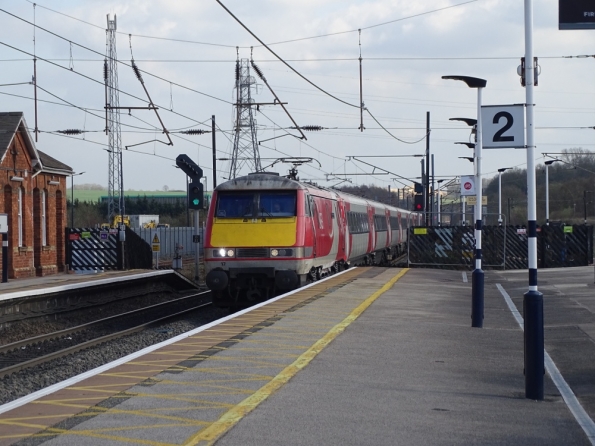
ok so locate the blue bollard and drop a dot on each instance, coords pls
(534, 358)
(477, 287)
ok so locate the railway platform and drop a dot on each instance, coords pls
(371, 356)
(35, 286)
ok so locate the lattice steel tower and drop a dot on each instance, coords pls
(245, 147)
(115, 194)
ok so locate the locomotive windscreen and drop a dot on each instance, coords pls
(256, 204)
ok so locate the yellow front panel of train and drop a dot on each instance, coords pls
(235, 232)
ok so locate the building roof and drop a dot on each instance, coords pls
(13, 122)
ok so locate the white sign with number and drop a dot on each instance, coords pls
(503, 126)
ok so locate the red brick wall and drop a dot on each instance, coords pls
(32, 258)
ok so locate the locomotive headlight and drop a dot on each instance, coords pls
(222, 252)
(230, 253)
(274, 252)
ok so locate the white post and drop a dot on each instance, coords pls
(532, 299)
(499, 198)
(478, 191)
(439, 203)
(547, 195)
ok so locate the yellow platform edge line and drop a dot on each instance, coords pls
(229, 419)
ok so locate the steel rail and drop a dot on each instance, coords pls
(93, 342)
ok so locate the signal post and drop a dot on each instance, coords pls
(195, 202)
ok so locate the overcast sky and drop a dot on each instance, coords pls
(190, 48)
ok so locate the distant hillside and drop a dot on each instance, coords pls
(92, 196)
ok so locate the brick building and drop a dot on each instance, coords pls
(34, 199)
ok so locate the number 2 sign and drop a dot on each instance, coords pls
(503, 126)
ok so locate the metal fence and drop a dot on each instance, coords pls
(503, 247)
(92, 250)
(169, 238)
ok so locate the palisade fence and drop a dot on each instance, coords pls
(92, 250)
(169, 238)
(503, 247)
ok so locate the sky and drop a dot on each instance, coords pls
(187, 51)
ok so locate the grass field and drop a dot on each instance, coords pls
(94, 195)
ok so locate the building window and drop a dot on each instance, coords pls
(20, 216)
(43, 222)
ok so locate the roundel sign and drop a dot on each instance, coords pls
(467, 185)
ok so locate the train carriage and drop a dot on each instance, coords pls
(266, 233)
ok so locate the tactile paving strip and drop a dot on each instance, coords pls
(68, 408)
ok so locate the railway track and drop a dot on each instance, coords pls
(37, 350)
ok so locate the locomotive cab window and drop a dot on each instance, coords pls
(275, 204)
(235, 205)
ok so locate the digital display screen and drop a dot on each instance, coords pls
(576, 14)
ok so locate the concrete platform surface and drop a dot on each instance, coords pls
(386, 358)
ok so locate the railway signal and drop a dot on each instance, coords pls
(189, 167)
(195, 195)
(418, 202)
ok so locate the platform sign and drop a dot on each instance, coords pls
(468, 185)
(3, 223)
(103, 235)
(503, 126)
(155, 243)
(576, 14)
(472, 200)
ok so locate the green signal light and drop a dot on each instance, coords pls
(196, 202)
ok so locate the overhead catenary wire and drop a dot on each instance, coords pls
(94, 80)
(272, 43)
(297, 72)
(118, 61)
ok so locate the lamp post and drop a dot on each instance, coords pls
(477, 282)
(532, 299)
(585, 204)
(547, 190)
(439, 202)
(463, 197)
(471, 145)
(500, 193)
(72, 197)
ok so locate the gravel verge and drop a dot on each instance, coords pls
(30, 380)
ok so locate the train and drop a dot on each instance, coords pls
(266, 233)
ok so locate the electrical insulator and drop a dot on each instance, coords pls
(311, 128)
(195, 132)
(70, 132)
(260, 75)
(105, 70)
(237, 71)
(136, 71)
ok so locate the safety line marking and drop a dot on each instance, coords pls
(233, 416)
(33, 397)
(581, 416)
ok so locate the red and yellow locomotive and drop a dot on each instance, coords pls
(266, 233)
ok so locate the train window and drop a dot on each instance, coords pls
(275, 204)
(380, 223)
(357, 222)
(307, 212)
(234, 205)
(394, 223)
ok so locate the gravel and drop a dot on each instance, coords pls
(27, 381)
